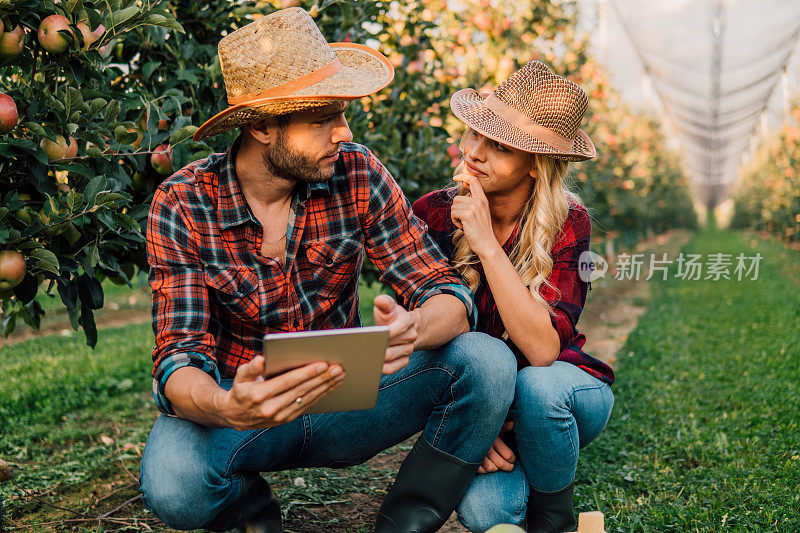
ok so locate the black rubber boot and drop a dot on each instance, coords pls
(257, 510)
(551, 512)
(426, 491)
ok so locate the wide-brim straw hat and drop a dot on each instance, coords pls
(534, 110)
(282, 63)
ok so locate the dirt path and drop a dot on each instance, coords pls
(135, 309)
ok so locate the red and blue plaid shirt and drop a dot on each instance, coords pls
(568, 301)
(215, 296)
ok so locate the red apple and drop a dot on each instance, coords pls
(2, 28)
(482, 21)
(161, 159)
(89, 37)
(49, 36)
(8, 114)
(452, 150)
(12, 42)
(12, 269)
(60, 149)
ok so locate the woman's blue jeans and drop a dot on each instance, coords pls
(458, 395)
(557, 410)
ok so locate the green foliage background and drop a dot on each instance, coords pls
(768, 195)
(154, 76)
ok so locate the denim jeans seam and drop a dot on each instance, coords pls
(235, 451)
(307, 431)
(446, 414)
(576, 453)
(521, 498)
(435, 366)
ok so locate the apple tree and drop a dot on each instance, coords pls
(75, 138)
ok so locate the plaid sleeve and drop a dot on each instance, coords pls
(180, 298)
(569, 295)
(398, 244)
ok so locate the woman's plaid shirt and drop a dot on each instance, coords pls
(215, 296)
(567, 300)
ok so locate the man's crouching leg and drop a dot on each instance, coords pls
(471, 408)
(183, 479)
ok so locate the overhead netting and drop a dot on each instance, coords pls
(714, 65)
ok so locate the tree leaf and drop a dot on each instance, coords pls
(149, 68)
(109, 199)
(95, 106)
(118, 17)
(74, 200)
(112, 113)
(91, 291)
(182, 134)
(45, 260)
(9, 323)
(74, 101)
(88, 325)
(68, 291)
(95, 186)
(35, 128)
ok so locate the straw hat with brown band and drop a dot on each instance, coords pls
(533, 110)
(282, 63)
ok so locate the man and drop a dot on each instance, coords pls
(270, 236)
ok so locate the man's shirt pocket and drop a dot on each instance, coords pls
(333, 263)
(234, 289)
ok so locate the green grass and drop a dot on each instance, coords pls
(58, 398)
(704, 434)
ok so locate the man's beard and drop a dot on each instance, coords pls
(283, 162)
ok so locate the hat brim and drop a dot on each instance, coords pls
(365, 71)
(467, 105)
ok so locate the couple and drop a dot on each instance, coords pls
(270, 236)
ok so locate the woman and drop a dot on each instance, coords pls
(516, 234)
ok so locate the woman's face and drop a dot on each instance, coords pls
(499, 168)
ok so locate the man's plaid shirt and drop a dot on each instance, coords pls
(215, 296)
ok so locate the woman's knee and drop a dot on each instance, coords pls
(481, 509)
(543, 385)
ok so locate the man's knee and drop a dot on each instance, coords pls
(486, 363)
(177, 482)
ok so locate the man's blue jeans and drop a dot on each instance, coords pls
(557, 410)
(458, 395)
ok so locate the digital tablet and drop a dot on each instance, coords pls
(359, 351)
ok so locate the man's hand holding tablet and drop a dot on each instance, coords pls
(255, 402)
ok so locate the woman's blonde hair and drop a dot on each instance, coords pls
(543, 216)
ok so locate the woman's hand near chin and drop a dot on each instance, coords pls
(471, 215)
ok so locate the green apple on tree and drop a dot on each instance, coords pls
(12, 42)
(49, 36)
(8, 114)
(161, 159)
(12, 269)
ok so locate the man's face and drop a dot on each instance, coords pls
(306, 149)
